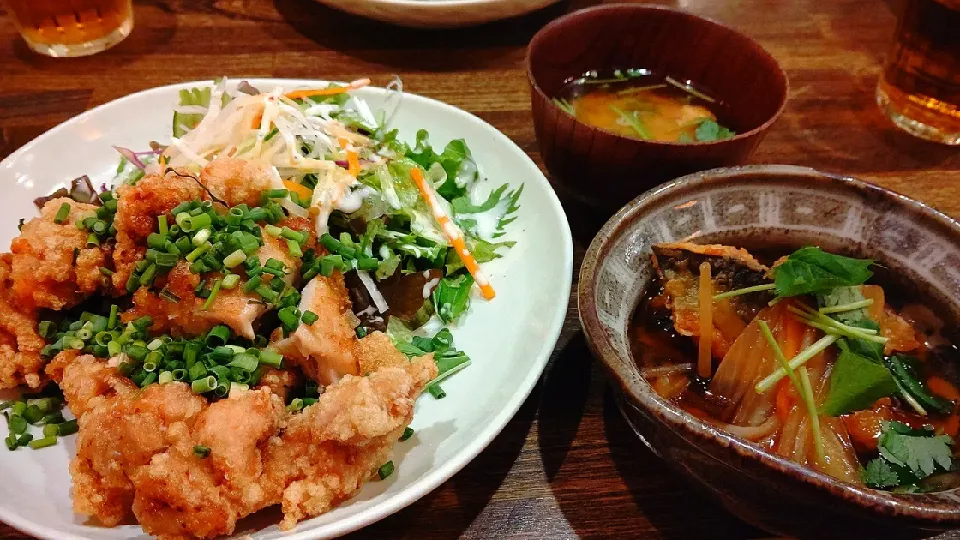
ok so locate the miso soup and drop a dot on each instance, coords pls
(639, 104)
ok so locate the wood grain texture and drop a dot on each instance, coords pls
(567, 465)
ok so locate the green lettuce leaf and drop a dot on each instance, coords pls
(456, 161)
(451, 297)
(183, 123)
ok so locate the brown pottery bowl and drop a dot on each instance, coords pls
(783, 207)
(604, 170)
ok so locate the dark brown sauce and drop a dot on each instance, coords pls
(656, 344)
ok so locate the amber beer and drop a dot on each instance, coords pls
(72, 27)
(920, 86)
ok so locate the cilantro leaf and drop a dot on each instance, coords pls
(880, 475)
(452, 296)
(919, 451)
(709, 130)
(855, 383)
(812, 270)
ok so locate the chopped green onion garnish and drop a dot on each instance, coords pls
(291, 234)
(294, 248)
(213, 294)
(385, 470)
(251, 284)
(169, 296)
(112, 320)
(196, 253)
(204, 385)
(62, 214)
(271, 358)
(407, 433)
(218, 335)
(201, 451)
(148, 380)
(43, 443)
(309, 317)
(230, 281)
(201, 237)
(436, 391)
(67, 428)
(267, 293)
(295, 405)
(235, 258)
(246, 362)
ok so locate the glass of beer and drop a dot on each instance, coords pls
(920, 86)
(72, 27)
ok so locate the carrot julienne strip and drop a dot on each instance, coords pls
(331, 91)
(704, 356)
(353, 160)
(793, 330)
(302, 191)
(943, 388)
(784, 399)
(453, 233)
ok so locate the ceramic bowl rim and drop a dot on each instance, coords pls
(648, 8)
(642, 395)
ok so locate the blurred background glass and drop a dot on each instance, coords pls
(920, 86)
(72, 27)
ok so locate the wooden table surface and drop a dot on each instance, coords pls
(567, 465)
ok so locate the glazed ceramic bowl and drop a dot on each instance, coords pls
(764, 206)
(604, 170)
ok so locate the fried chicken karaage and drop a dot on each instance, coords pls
(211, 377)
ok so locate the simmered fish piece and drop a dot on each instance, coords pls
(731, 268)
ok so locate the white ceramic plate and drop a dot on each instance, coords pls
(509, 339)
(438, 13)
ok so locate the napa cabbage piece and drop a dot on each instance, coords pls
(748, 361)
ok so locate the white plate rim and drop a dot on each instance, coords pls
(433, 479)
(438, 13)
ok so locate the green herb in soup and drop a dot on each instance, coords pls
(807, 359)
(638, 104)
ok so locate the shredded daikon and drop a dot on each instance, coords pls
(375, 295)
